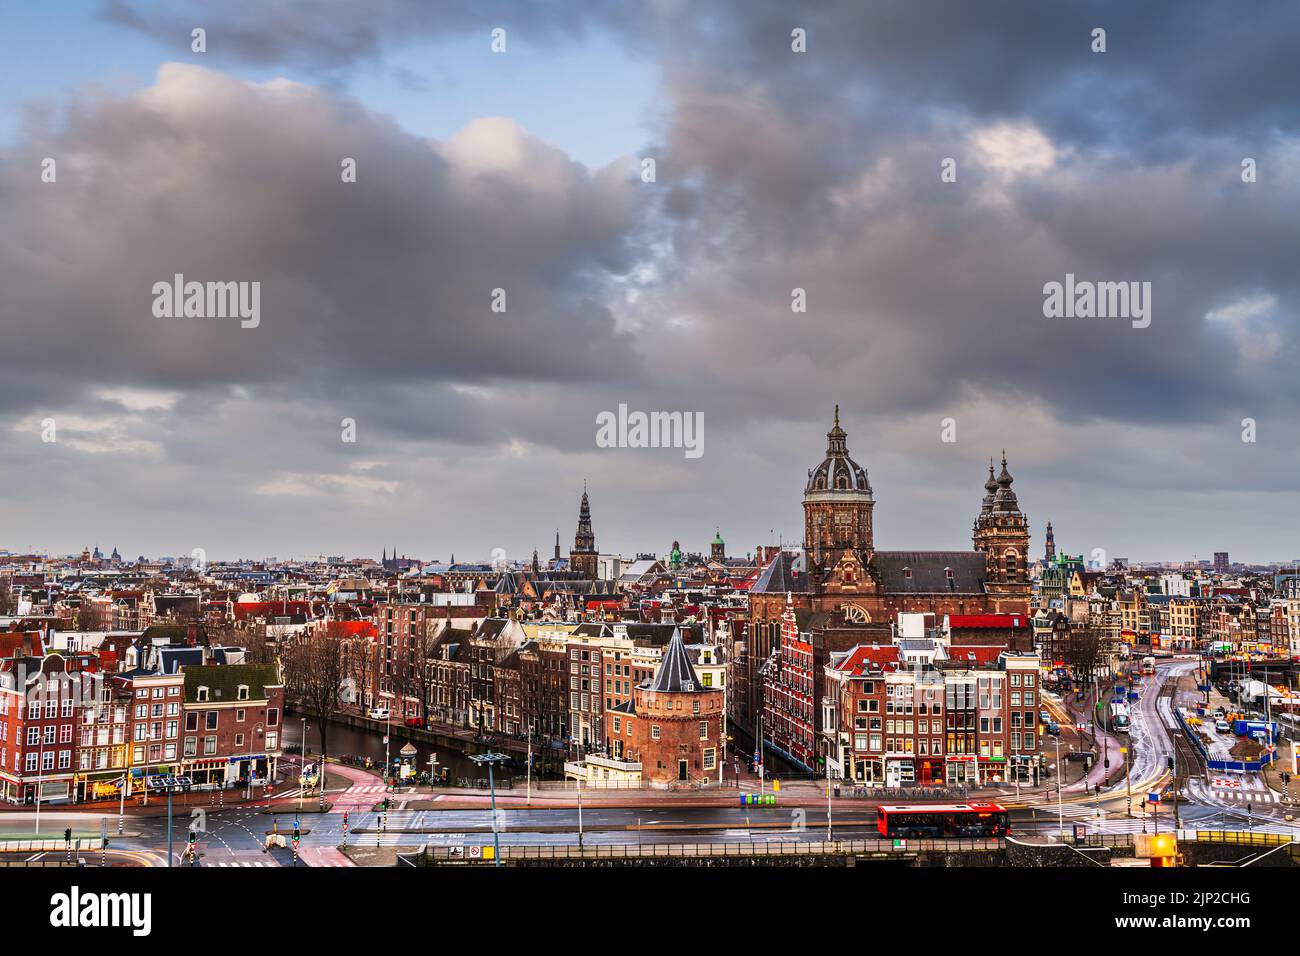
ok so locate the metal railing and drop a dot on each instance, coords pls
(695, 850)
(1244, 837)
(956, 794)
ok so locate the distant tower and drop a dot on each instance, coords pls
(1002, 533)
(718, 552)
(675, 556)
(557, 545)
(837, 503)
(583, 556)
(1050, 551)
(536, 568)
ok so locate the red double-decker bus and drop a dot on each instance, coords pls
(939, 821)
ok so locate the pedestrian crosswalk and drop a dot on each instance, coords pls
(1238, 789)
(241, 863)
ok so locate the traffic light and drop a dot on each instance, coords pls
(67, 835)
(1171, 763)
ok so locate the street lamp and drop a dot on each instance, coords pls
(1060, 806)
(492, 759)
(302, 769)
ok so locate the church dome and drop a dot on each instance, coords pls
(838, 472)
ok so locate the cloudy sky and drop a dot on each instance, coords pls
(521, 170)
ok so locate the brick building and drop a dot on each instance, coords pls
(969, 719)
(39, 708)
(673, 726)
(233, 716)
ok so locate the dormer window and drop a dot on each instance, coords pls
(203, 693)
(947, 572)
(907, 573)
(243, 692)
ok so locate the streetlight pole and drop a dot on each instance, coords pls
(302, 771)
(492, 759)
(1060, 805)
(320, 776)
(1128, 780)
(829, 830)
(169, 824)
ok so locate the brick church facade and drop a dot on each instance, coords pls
(839, 591)
(839, 571)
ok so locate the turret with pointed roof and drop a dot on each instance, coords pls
(675, 674)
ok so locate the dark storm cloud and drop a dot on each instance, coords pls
(1170, 65)
(387, 279)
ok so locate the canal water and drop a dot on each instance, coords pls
(343, 740)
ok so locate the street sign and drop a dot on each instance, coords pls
(1153, 798)
(475, 852)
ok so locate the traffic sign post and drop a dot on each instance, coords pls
(103, 841)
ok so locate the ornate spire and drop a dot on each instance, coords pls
(990, 489)
(836, 446)
(1005, 500)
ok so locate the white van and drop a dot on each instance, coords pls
(378, 713)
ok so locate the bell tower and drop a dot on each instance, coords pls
(1002, 534)
(583, 556)
(837, 504)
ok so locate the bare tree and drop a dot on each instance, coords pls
(1083, 653)
(315, 669)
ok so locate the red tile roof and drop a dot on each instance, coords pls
(987, 620)
(980, 654)
(859, 659)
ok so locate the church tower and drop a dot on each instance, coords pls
(718, 550)
(583, 556)
(1002, 533)
(1049, 551)
(837, 504)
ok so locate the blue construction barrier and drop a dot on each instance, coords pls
(1239, 766)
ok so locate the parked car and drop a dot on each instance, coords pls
(1054, 728)
(378, 713)
(413, 722)
(1222, 726)
(1044, 717)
